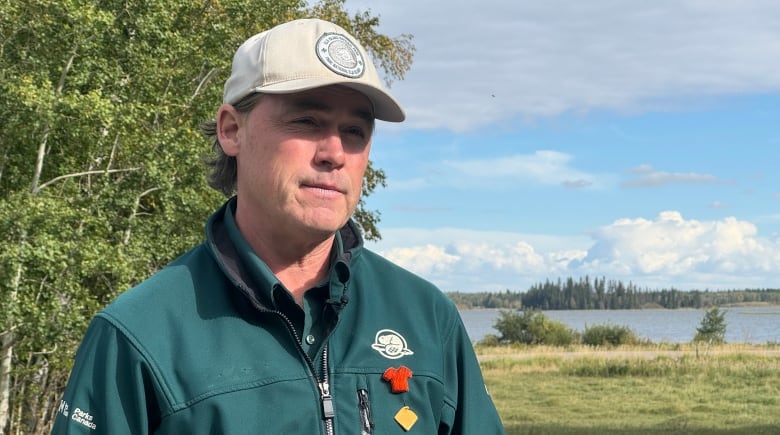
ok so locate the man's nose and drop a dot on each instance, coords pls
(330, 150)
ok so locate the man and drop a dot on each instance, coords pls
(281, 322)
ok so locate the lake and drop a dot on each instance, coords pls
(743, 324)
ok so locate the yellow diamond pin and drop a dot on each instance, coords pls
(406, 418)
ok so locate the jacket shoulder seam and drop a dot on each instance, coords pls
(153, 366)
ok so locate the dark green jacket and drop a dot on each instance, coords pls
(207, 346)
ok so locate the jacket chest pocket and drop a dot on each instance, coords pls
(371, 407)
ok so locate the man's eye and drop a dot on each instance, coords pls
(305, 121)
(356, 131)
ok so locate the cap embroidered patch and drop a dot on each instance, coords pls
(340, 55)
(398, 378)
(406, 418)
(391, 344)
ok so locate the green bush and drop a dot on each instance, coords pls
(489, 340)
(609, 335)
(533, 327)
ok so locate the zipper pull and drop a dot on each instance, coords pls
(327, 401)
(364, 406)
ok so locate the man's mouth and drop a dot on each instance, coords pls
(323, 188)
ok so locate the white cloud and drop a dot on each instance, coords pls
(543, 167)
(672, 247)
(478, 63)
(424, 260)
(667, 251)
(471, 260)
(646, 176)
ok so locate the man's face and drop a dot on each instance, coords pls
(301, 159)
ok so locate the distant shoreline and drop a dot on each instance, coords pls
(750, 324)
(655, 307)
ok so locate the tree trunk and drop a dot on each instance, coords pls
(7, 346)
(5, 379)
(7, 349)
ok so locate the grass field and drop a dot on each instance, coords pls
(672, 389)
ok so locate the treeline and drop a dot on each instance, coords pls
(507, 299)
(602, 294)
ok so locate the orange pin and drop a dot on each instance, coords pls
(398, 378)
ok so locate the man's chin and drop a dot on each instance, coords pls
(323, 229)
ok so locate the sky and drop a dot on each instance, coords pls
(632, 140)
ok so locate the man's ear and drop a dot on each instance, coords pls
(229, 123)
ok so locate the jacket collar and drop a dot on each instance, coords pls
(254, 278)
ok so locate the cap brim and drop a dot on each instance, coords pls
(386, 108)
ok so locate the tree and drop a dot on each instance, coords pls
(712, 329)
(101, 157)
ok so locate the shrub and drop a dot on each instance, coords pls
(489, 340)
(533, 327)
(609, 335)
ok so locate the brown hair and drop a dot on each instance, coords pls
(223, 167)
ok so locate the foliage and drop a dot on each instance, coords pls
(101, 174)
(533, 327)
(602, 294)
(609, 335)
(489, 340)
(586, 294)
(712, 329)
(506, 299)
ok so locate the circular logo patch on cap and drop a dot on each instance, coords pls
(340, 55)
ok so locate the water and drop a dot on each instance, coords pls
(743, 324)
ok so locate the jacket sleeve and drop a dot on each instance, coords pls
(111, 390)
(468, 407)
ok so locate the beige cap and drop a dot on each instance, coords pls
(307, 54)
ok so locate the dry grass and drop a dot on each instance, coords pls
(726, 389)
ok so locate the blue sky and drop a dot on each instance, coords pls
(632, 140)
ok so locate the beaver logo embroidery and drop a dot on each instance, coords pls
(391, 344)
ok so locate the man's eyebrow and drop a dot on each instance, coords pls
(305, 104)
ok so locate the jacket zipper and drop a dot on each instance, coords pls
(328, 411)
(326, 399)
(322, 380)
(364, 406)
